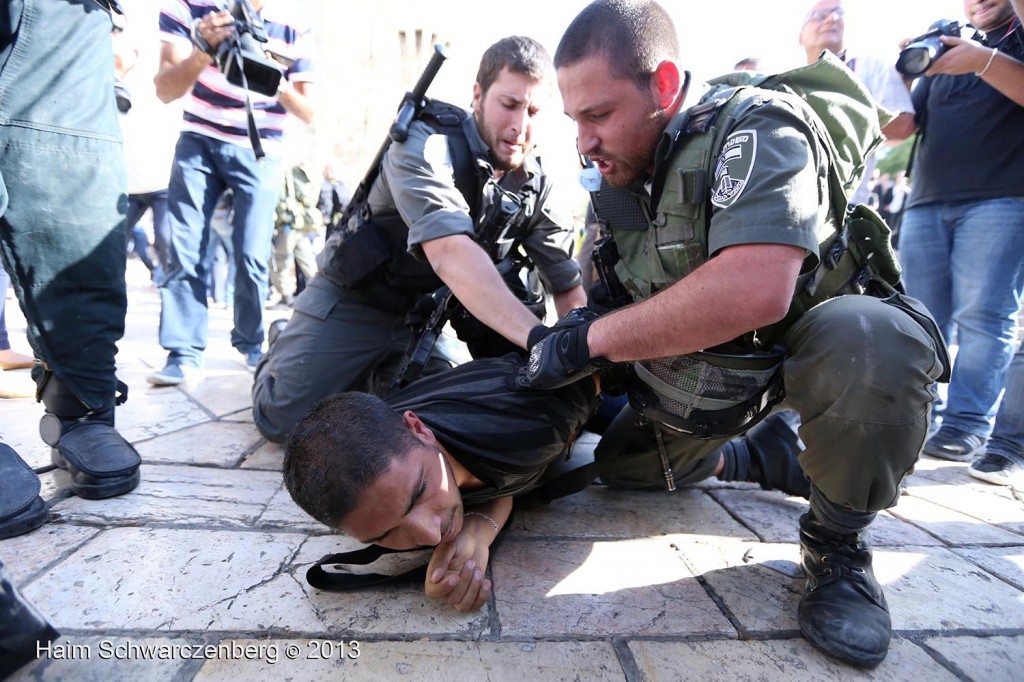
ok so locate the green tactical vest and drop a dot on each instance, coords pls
(855, 255)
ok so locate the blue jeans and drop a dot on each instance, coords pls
(965, 262)
(137, 206)
(1008, 435)
(62, 234)
(203, 168)
(5, 283)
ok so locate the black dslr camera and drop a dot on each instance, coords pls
(241, 58)
(921, 52)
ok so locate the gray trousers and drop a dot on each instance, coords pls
(334, 342)
(860, 373)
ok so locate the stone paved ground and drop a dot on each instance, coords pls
(701, 584)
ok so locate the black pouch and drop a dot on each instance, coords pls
(916, 310)
(352, 258)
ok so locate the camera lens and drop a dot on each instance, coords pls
(914, 60)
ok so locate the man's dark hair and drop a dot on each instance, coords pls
(633, 35)
(340, 449)
(752, 63)
(519, 54)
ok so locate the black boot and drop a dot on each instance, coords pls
(22, 628)
(767, 455)
(843, 611)
(83, 441)
(21, 508)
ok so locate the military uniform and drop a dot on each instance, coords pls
(342, 338)
(859, 372)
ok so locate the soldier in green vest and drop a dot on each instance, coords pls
(723, 213)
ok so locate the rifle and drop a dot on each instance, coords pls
(410, 107)
(501, 219)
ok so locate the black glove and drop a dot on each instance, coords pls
(559, 359)
(573, 318)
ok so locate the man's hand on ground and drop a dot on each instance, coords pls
(455, 574)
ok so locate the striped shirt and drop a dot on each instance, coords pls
(215, 107)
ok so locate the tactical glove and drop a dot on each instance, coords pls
(573, 318)
(559, 359)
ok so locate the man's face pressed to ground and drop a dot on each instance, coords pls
(415, 503)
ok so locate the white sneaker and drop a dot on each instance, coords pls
(172, 375)
(999, 470)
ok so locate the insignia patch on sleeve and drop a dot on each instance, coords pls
(735, 163)
(435, 153)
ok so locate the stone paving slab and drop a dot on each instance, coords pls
(1006, 563)
(951, 526)
(398, 611)
(601, 512)
(783, 659)
(268, 457)
(184, 580)
(992, 659)
(224, 395)
(424, 660)
(918, 580)
(758, 583)
(775, 518)
(997, 507)
(599, 589)
(219, 444)
(28, 555)
(151, 412)
(176, 495)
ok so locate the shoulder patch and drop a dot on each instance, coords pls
(437, 156)
(734, 166)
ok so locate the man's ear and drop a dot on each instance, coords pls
(418, 428)
(478, 95)
(666, 84)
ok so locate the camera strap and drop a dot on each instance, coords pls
(254, 132)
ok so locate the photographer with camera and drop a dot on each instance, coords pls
(961, 232)
(235, 114)
(419, 225)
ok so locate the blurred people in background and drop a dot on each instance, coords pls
(335, 194)
(150, 130)
(297, 223)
